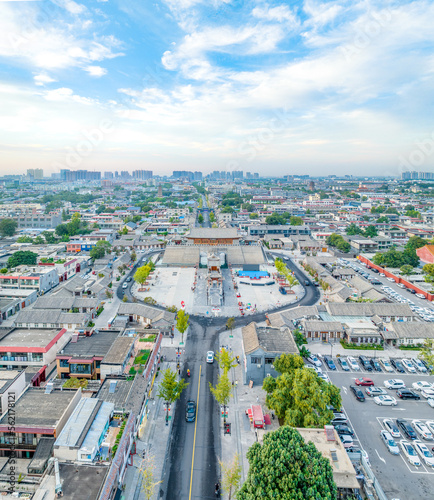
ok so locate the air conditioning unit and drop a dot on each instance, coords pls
(258, 366)
(272, 367)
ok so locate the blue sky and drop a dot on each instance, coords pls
(319, 87)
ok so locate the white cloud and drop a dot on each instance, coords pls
(281, 13)
(42, 79)
(95, 71)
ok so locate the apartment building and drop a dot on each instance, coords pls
(39, 220)
(39, 278)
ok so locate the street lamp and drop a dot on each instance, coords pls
(331, 349)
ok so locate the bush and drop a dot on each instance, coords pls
(150, 338)
(362, 347)
(414, 347)
(132, 371)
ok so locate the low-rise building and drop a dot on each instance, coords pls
(39, 220)
(37, 278)
(117, 357)
(11, 382)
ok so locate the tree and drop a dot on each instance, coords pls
(406, 270)
(298, 396)
(248, 207)
(133, 256)
(182, 323)
(288, 468)
(124, 298)
(231, 476)
(142, 273)
(22, 257)
(296, 221)
(222, 391)
(299, 338)
(147, 473)
(275, 220)
(427, 354)
(212, 217)
(8, 227)
(200, 219)
(228, 210)
(97, 252)
(230, 323)
(225, 360)
(253, 215)
(171, 389)
(353, 229)
(371, 232)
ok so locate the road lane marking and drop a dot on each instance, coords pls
(194, 439)
(381, 458)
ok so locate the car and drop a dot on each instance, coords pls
(339, 418)
(190, 411)
(324, 376)
(430, 401)
(430, 425)
(394, 383)
(358, 393)
(210, 357)
(407, 394)
(406, 428)
(385, 400)
(391, 280)
(344, 429)
(366, 363)
(329, 362)
(314, 360)
(420, 295)
(376, 365)
(375, 391)
(397, 365)
(125, 285)
(408, 365)
(344, 364)
(365, 381)
(129, 279)
(391, 427)
(410, 453)
(318, 370)
(386, 365)
(401, 285)
(420, 367)
(383, 275)
(422, 430)
(347, 441)
(353, 364)
(411, 290)
(421, 385)
(306, 282)
(424, 453)
(389, 442)
(427, 393)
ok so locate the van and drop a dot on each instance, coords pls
(366, 363)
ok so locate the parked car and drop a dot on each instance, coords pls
(422, 430)
(190, 411)
(375, 391)
(406, 428)
(386, 365)
(391, 427)
(339, 418)
(385, 400)
(408, 365)
(427, 393)
(389, 442)
(353, 364)
(420, 367)
(344, 429)
(329, 362)
(421, 385)
(430, 401)
(364, 381)
(394, 383)
(407, 394)
(424, 453)
(397, 365)
(366, 363)
(314, 360)
(430, 425)
(357, 392)
(410, 453)
(347, 441)
(344, 364)
(376, 365)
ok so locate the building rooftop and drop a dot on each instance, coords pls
(97, 344)
(7, 377)
(81, 482)
(279, 340)
(119, 350)
(120, 396)
(213, 233)
(35, 338)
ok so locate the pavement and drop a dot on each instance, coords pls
(388, 352)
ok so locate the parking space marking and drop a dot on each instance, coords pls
(381, 458)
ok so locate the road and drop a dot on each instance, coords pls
(179, 482)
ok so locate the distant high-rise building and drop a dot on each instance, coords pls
(197, 176)
(414, 175)
(160, 191)
(108, 175)
(142, 175)
(36, 173)
(256, 175)
(311, 186)
(249, 175)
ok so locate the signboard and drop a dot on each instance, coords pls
(182, 304)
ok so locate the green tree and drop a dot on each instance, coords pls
(253, 215)
(275, 220)
(22, 257)
(212, 217)
(8, 227)
(427, 354)
(230, 323)
(353, 229)
(182, 323)
(287, 468)
(231, 476)
(222, 391)
(124, 298)
(49, 237)
(381, 220)
(133, 256)
(226, 360)
(299, 338)
(147, 477)
(200, 219)
(170, 389)
(142, 273)
(370, 232)
(248, 207)
(296, 221)
(298, 396)
(428, 269)
(97, 252)
(406, 270)
(228, 210)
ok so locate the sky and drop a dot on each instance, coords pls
(279, 88)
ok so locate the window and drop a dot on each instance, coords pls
(255, 360)
(269, 361)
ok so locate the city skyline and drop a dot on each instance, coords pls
(317, 87)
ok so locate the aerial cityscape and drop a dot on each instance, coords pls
(216, 250)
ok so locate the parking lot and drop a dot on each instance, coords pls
(398, 478)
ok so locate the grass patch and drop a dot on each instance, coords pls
(150, 338)
(142, 357)
(363, 347)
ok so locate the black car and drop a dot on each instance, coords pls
(307, 282)
(344, 429)
(329, 362)
(190, 411)
(376, 365)
(366, 363)
(357, 392)
(129, 279)
(406, 428)
(410, 290)
(397, 365)
(407, 394)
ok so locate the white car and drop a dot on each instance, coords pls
(408, 365)
(317, 369)
(410, 453)
(419, 365)
(422, 430)
(430, 401)
(430, 425)
(391, 427)
(314, 360)
(421, 385)
(427, 393)
(210, 357)
(386, 365)
(420, 295)
(391, 279)
(353, 364)
(424, 453)
(385, 401)
(394, 383)
(389, 442)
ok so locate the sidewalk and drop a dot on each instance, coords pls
(337, 349)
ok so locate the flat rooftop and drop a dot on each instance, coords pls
(26, 337)
(37, 409)
(97, 344)
(7, 377)
(120, 395)
(119, 350)
(81, 482)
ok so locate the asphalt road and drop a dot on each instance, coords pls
(187, 453)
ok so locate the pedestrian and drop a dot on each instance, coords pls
(257, 399)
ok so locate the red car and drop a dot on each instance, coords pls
(364, 381)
